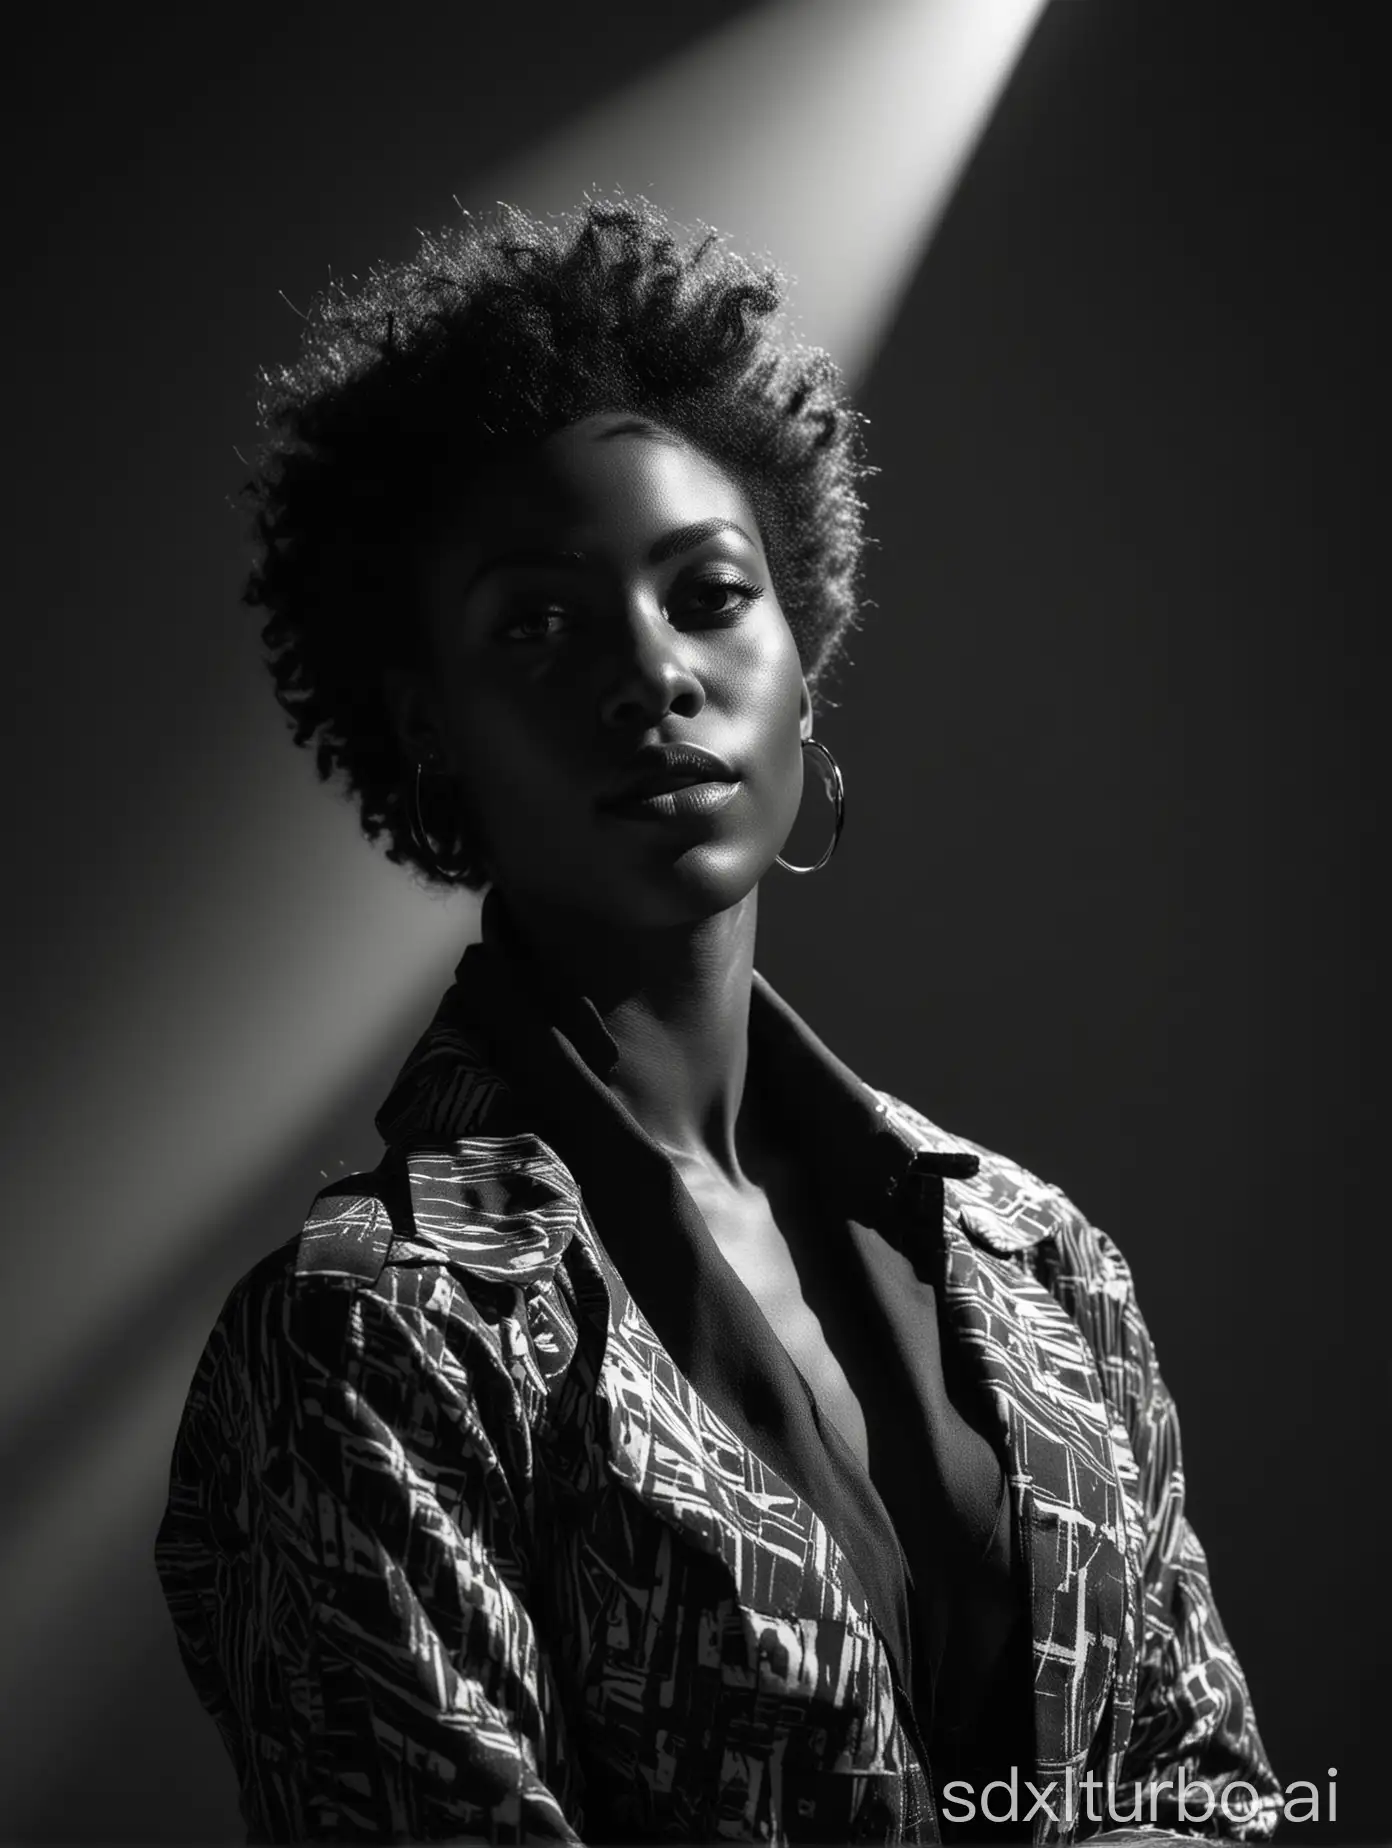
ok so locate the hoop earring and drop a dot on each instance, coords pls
(838, 796)
(420, 835)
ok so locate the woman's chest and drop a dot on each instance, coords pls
(759, 1248)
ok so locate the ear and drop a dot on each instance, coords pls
(410, 701)
(805, 712)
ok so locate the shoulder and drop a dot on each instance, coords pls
(420, 1256)
(1011, 1212)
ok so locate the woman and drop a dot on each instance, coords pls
(674, 1437)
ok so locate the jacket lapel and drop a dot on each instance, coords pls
(670, 1448)
(506, 1209)
(1062, 1470)
(502, 1207)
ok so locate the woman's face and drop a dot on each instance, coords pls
(602, 603)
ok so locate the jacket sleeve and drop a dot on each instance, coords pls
(1193, 1712)
(410, 1696)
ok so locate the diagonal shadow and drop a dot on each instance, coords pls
(219, 1248)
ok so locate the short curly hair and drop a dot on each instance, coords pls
(495, 335)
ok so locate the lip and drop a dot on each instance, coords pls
(682, 802)
(668, 771)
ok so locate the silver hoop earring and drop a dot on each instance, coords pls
(838, 796)
(419, 833)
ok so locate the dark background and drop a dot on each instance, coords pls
(1115, 765)
(1109, 736)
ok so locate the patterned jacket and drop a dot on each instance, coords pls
(453, 1548)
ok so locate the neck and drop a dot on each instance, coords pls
(676, 1002)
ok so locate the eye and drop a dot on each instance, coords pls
(538, 624)
(717, 599)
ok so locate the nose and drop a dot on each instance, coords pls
(651, 675)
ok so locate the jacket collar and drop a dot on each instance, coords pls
(450, 1089)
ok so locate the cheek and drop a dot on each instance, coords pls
(767, 676)
(507, 779)
(757, 664)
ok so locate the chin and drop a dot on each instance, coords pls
(679, 889)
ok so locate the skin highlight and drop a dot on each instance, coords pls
(660, 625)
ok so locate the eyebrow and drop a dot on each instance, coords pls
(670, 545)
(687, 538)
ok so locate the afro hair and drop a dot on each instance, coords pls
(493, 336)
